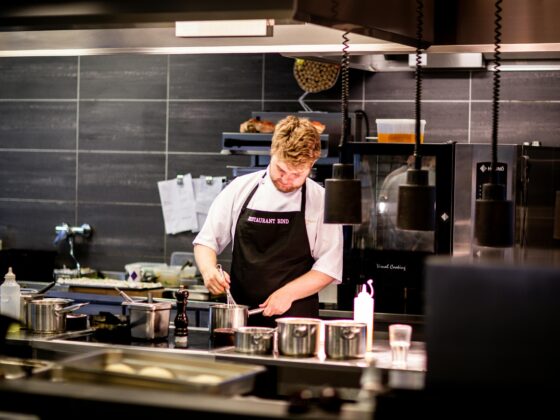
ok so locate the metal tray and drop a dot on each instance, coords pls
(196, 292)
(14, 368)
(189, 374)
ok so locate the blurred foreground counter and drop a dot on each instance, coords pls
(286, 387)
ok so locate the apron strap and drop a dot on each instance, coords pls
(251, 194)
(302, 209)
(254, 190)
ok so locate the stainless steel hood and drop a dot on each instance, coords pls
(302, 27)
(31, 28)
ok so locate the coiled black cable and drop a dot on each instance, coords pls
(344, 74)
(496, 89)
(418, 77)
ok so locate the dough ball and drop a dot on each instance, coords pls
(119, 368)
(156, 372)
(206, 379)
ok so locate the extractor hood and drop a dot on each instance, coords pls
(32, 28)
(302, 27)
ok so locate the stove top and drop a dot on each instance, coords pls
(198, 340)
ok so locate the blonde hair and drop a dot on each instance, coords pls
(296, 141)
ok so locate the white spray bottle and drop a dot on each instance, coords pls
(10, 296)
(363, 311)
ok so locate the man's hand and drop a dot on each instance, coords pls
(277, 303)
(214, 282)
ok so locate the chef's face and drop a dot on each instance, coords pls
(286, 177)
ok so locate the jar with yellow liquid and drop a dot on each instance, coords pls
(398, 130)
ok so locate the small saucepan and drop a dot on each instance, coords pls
(223, 315)
(254, 340)
(49, 315)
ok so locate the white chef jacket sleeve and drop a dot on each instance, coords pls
(328, 251)
(216, 231)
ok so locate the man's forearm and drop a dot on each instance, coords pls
(205, 258)
(307, 284)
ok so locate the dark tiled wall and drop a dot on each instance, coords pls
(86, 139)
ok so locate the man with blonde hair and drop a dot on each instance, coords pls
(283, 253)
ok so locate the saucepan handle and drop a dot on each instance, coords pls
(70, 308)
(255, 311)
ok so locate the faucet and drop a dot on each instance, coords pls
(65, 232)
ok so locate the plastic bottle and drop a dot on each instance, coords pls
(10, 296)
(363, 311)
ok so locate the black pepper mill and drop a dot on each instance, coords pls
(181, 319)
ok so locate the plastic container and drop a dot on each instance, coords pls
(398, 130)
(363, 311)
(10, 296)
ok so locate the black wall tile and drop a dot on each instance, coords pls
(123, 77)
(183, 242)
(444, 121)
(123, 177)
(210, 165)
(518, 122)
(402, 85)
(198, 126)
(122, 125)
(216, 76)
(280, 82)
(122, 234)
(316, 105)
(38, 125)
(30, 224)
(38, 78)
(38, 175)
(522, 85)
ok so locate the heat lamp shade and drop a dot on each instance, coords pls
(493, 223)
(343, 196)
(416, 205)
(556, 231)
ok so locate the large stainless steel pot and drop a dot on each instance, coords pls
(49, 315)
(223, 315)
(298, 337)
(26, 296)
(345, 339)
(149, 320)
(254, 340)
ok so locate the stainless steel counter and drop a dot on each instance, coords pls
(285, 374)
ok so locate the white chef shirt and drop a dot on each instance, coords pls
(325, 240)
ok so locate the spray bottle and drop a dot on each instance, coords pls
(363, 311)
(10, 296)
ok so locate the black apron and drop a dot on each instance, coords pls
(271, 249)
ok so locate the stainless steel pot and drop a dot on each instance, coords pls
(223, 315)
(26, 296)
(149, 320)
(345, 339)
(254, 340)
(49, 315)
(298, 337)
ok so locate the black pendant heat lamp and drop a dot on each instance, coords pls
(343, 198)
(416, 205)
(494, 225)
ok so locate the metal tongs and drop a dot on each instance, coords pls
(124, 295)
(230, 300)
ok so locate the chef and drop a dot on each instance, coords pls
(283, 253)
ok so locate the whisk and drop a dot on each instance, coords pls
(230, 300)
